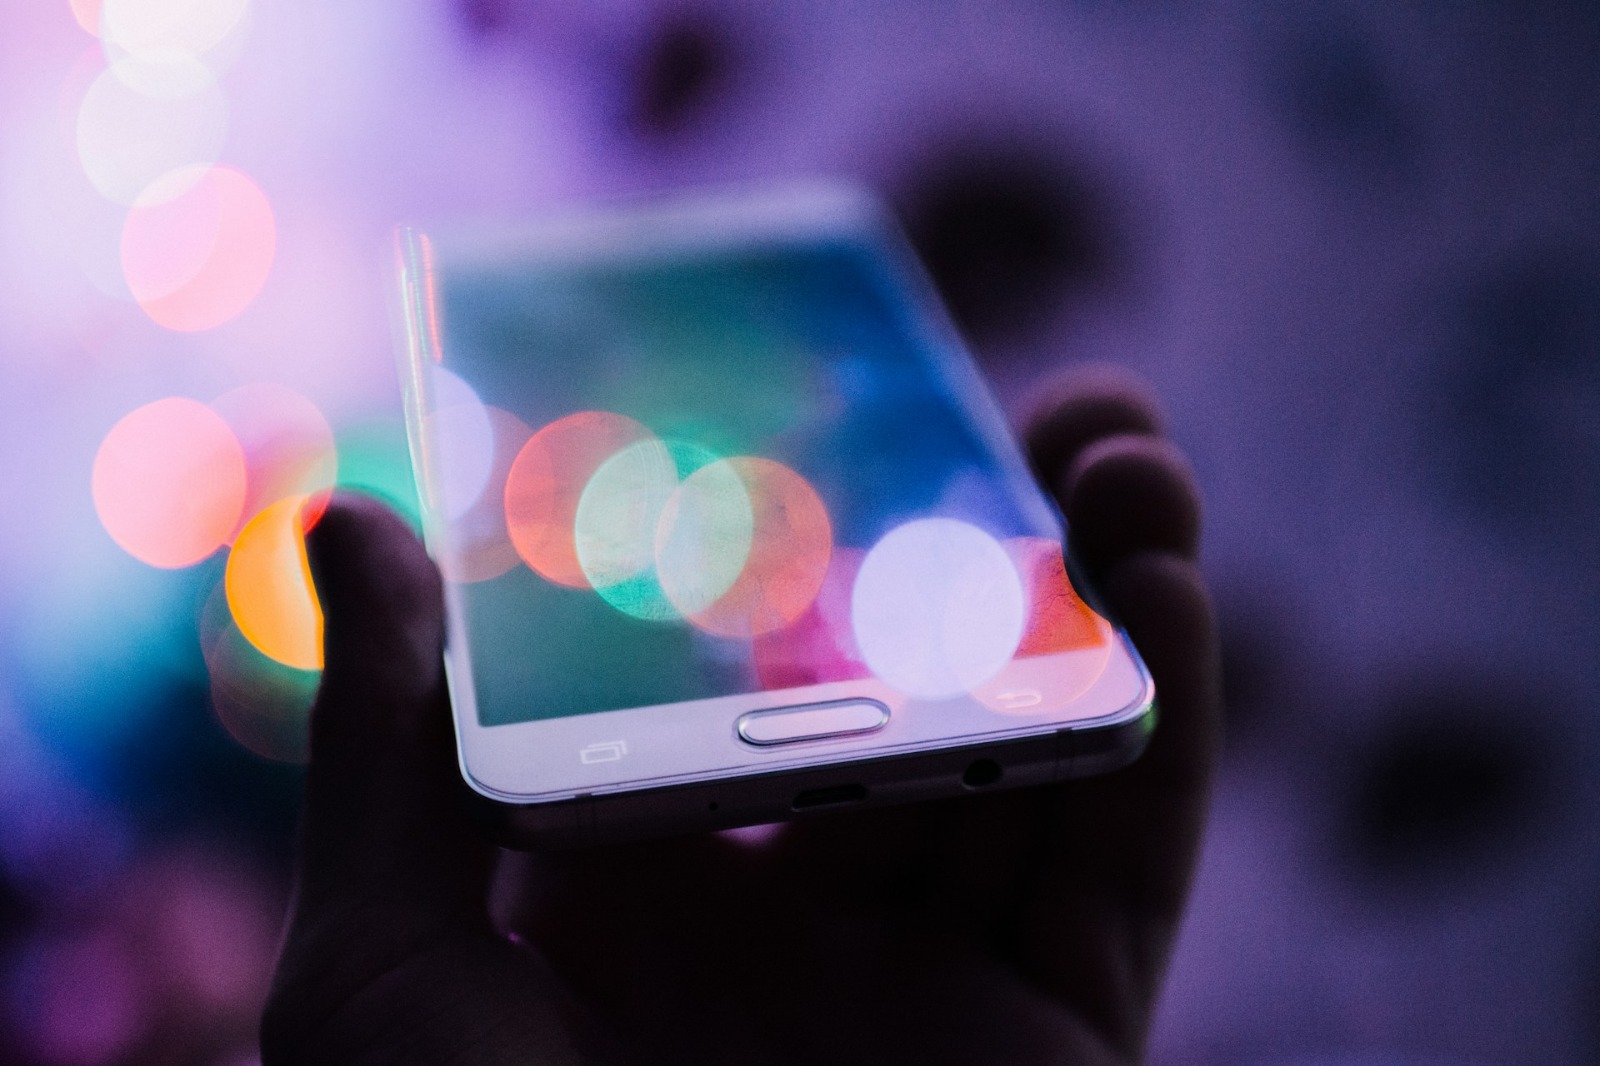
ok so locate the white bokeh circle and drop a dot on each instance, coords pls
(937, 608)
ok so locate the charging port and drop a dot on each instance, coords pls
(981, 773)
(830, 797)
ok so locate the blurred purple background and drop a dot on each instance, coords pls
(1356, 249)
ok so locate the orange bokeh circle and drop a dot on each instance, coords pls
(169, 482)
(269, 589)
(547, 479)
(790, 547)
(1058, 620)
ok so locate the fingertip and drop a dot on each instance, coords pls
(381, 595)
(1129, 494)
(1162, 601)
(1162, 593)
(359, 542)
(1082, 405)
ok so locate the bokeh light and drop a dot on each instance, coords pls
(703, 537)
(1058, 620)
(1065, 646)
(790, 543)
(197, 259)
(288, 446)
(169, 482)
(263, 704)
(547, 480)
(820, 645)
(617, 525)
(191, 27)
(480, 546)
(938, 608)
(81, 998)
(269, 588)
(87, 14)
(615, 528)
(142, 120)
(57, 223)
(460, 441)
(164, 75)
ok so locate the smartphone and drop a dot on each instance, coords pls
(732, 530)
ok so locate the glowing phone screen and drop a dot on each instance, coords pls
(671, 479)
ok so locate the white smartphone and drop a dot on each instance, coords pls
(732, 530)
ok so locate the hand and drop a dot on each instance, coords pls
(1023, 926)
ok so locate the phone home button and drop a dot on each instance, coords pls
(812, 721)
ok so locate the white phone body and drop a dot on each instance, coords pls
(562, 732)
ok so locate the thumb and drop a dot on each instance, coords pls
(384, 819)
(389, 955)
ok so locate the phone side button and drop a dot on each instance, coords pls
(812, 721)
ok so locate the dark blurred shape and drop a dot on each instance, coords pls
(683, 66)
(168, 964)
(1339, 97)
(15, 917)
(485, 18)
(1587, 995)
(1252, 632)
(1520, 394)
(1460, 774)
(13, 910)
(1005, 231)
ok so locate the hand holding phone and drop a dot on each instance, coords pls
(1030, 925)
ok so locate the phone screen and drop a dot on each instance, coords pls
(666, 478)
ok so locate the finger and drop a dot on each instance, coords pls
(389, 955)
(1092, 430)
(384, 820)
(1082, 406)
(1099, 922)
(1125, 495)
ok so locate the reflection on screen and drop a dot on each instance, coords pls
(670, 480)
